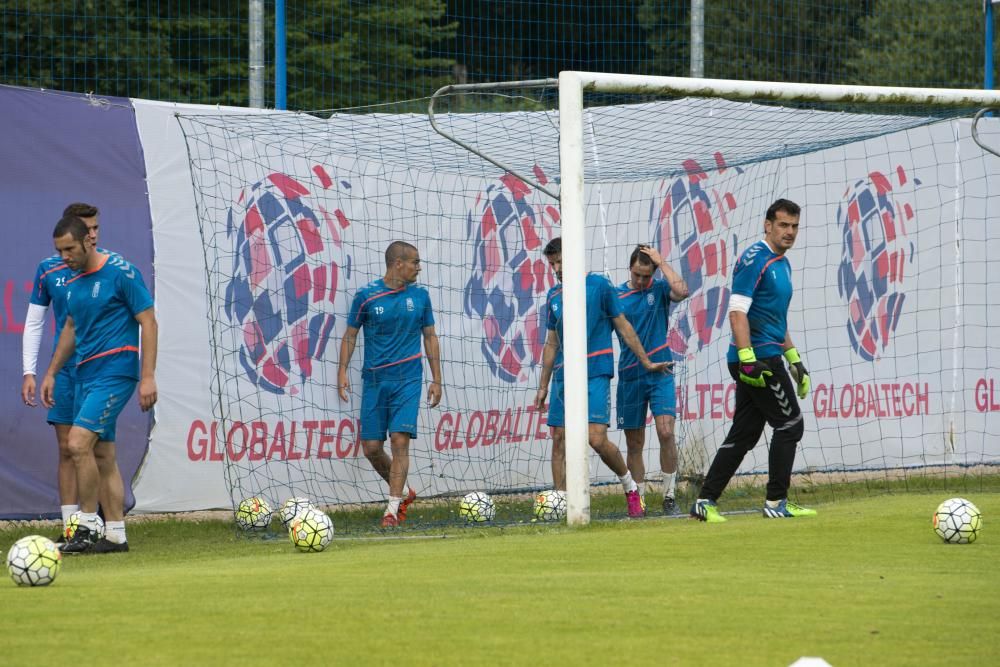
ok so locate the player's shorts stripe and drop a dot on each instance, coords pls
(126, 348)
(393, 363)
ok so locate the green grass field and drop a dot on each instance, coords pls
(867, 582)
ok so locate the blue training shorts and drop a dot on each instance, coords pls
(390, 406)
(653, 391)
(65, 397)
(99, 402)
(598, 402)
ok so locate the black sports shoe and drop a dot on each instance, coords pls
(83, 539)
(106, 546)
(669, 505)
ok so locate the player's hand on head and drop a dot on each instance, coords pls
(28, 390)
(434, 394)
(753, 371)
(798, 372)
(652, 253)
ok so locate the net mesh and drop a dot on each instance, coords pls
(890, 309)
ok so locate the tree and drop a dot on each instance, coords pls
(932, 44)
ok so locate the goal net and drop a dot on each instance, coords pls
(892, 309)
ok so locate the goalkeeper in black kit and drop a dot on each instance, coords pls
(765, 391)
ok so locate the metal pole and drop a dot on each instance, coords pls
(697, 39)
(257, 54)
(280, 69)
(988, 51)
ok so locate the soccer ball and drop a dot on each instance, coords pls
(33, 561)
(69, 530)
(253, 514)
(311, 531)
(550, 505)
(957, 521)
(477, 507)
(291, 509)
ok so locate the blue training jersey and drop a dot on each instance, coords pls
(767, 279)
(648, 311)
(49, 289)
(393, 321)
(103, 304)
(602, 306)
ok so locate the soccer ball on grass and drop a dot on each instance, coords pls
(291, 509)
(550, 505)
(477, 507)
(33, 561)
(73, 522)
(957, 521)
(253, 514)
(311, 531)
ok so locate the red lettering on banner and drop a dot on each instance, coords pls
(986, 397)
(201, 443)
(472, 436)
(878, 400)
(326, 436)
(504, 434)
(490, 428)
(258, 441)
(292, 454)
(445, 421)
(278, 443)
(233, 454)
(345, 445)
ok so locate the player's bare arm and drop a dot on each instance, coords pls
(629, 337)
(148, 337)
(549, 352)
(678, 286)
(432, 348)
(347, 345)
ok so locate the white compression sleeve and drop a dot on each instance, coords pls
(739, 303)
(31, 340)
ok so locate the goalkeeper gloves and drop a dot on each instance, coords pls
(798, 371)
(752, 371)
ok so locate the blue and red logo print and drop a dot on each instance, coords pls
(688, 220)
(873, 219)
(510, 276)
(288, 261)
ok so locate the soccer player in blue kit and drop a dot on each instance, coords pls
(645, 301)
(49, 289)
(107, 303)
(603, 314)
(395, 314)
(765, 391)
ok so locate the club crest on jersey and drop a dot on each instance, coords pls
(650, 299)
(409, 304)
(95, 290)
